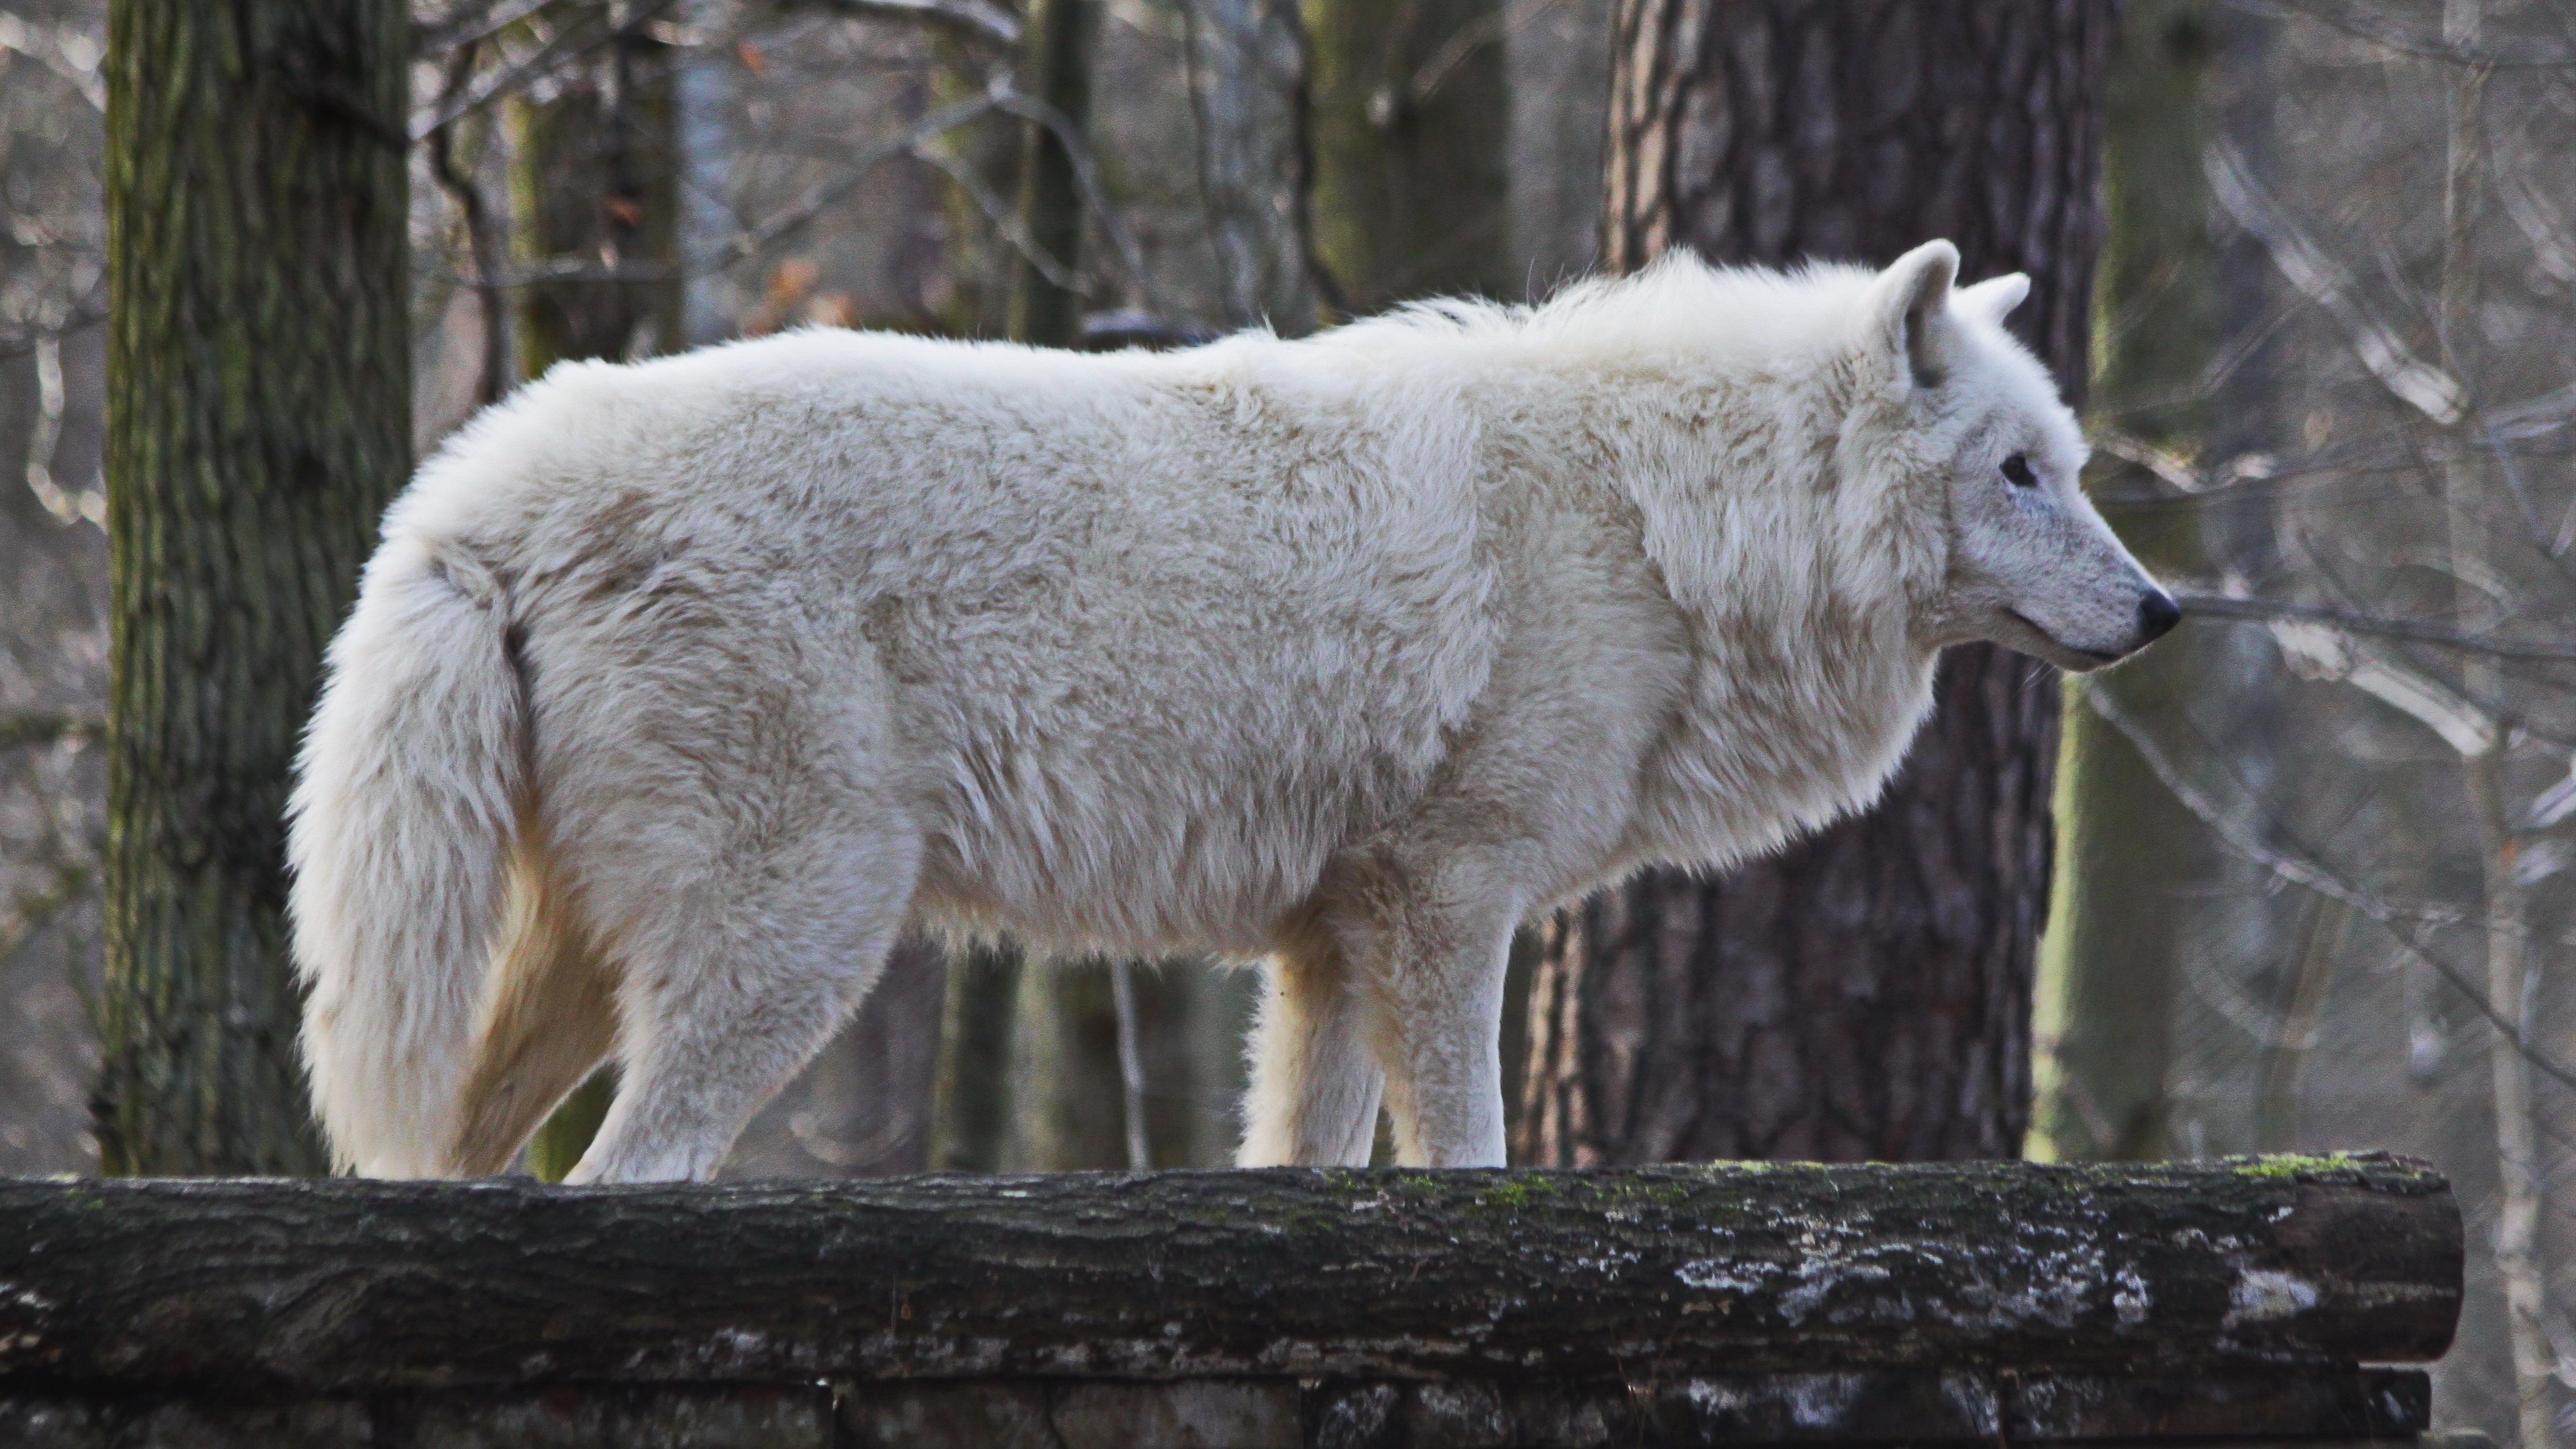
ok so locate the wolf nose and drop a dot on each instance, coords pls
(2157, 614)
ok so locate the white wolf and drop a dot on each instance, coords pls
(678, 689)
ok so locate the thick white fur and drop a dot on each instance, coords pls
(679, 688)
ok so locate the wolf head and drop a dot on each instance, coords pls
(1985, 456)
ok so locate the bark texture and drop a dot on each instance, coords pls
(2338, 1409)
(259, 418)
(1865, 994)
(337, 1286)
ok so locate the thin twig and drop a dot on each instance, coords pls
(1489, 28)
(2417, 383)
(2422, 48)
(1086, 179)
(2224, 607)
(2306, 873)
(563, 49)
(481, 242)
(751, 240)
(37, 908)
(471, 24)
(987, 26)
(1131, 1063)
(1005, 218)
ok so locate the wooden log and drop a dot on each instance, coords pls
(1879, 1407)
(305, 1287)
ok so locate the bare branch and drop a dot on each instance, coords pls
(469, 25)
(2319, 651)
(2225, 607)
(482, 239)
(988, 27)
(2423, 47)
(752, 240)
(1005, 217)
(2308, 874)
(563, 49)
(2417, 383)
(37, 728)
(1487, 29)
(2533, 210)
(34, 910)
(1086, 177)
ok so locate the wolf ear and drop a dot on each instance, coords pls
(1995, 297)
(1910, 303)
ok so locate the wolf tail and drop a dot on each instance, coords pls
(404, 823)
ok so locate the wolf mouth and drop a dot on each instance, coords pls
(2097, 656)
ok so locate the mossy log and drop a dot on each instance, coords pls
(335, 1287)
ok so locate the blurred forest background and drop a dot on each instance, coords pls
(2313, 854)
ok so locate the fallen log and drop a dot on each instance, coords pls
(2293, 1268)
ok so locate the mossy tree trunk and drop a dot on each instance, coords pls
(2128, 853)
(595, 185)
(1410, 126)
(259, 418)
(1866, 993)
(970, 1115)
(1057, 73)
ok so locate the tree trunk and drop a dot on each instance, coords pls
(1045, 310)
(2522, 1197)
(1246, 64)
(1410, 126)
(259, 398)
(1866, 994)
(1067, 1104)
(596, 188)
(2127, 851)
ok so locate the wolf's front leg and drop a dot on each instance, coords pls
(1440, 999)
(1315, 1084)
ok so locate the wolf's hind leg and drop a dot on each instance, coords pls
(727, 815)
(736, 990)
(1315, 1083)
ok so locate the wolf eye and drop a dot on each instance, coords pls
(2017, 472)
